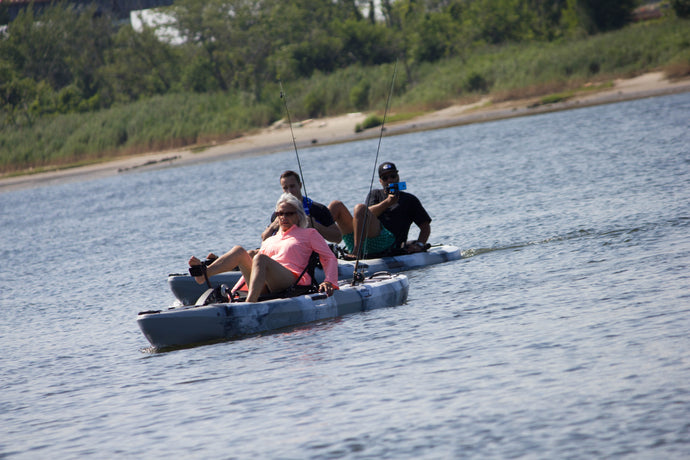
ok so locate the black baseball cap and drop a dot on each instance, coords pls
(387, 167)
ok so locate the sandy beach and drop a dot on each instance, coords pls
(342, 129)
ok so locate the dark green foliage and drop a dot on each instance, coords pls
(594, 67)
(438, 37)
(314, 103)
(72, 60)
(476, 83)
(371, 121)
(4, 14)
(359, 95)
(63, 52)
(609, 14)
(364, 43)
(334, 59)
(140, 65)
(681, 7)
(319, 54)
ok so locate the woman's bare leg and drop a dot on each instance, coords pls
(267, 273)
(235, 257)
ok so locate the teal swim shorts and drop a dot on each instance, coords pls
(380, 243)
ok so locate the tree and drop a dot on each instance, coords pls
(682, 8)
(364, 43)
(200, 23)
(61, 50)
(608, 14)
(139, 64)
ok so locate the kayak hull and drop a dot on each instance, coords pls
(186, 325)
(187, 290)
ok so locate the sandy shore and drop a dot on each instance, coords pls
(342, 129)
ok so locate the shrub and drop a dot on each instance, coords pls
(359, 95)
(314, 103)
(371, 121)
(476, 82)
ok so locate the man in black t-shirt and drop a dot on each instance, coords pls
(390, 215)
(319, 216)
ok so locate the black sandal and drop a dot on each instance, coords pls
(199, 270)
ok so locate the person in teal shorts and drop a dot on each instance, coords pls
(389, 214)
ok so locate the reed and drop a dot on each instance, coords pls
(159, 123)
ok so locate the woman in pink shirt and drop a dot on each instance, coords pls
(282, 257)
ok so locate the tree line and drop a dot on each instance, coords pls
(71, 60)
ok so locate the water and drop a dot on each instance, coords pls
(563, 333)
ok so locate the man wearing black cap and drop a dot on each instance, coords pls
(389, 213)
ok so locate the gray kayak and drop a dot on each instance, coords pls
(192, 324)
(187, 290)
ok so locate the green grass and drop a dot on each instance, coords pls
(547, 71)
(160, 123)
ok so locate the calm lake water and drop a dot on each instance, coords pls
(564, 332)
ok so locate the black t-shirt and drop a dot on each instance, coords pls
(399, 217)
(319, 212)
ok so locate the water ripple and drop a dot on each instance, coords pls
(567, 338)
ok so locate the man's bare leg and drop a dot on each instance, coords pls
(342, 216)
(372, 229)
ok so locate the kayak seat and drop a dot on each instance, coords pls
(292, 291)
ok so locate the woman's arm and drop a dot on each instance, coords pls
(328, 259)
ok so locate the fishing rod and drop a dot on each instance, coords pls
(357, 276)
(283, 96)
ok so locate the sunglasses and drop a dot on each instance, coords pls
(286, 214)
(389, 176)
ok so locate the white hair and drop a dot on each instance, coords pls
(293, 201)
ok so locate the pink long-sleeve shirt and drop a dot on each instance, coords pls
(293, 248)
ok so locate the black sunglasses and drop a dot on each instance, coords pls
(286, 214)
(389, 176)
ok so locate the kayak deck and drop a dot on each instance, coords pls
(179, 326)
(187, 290)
